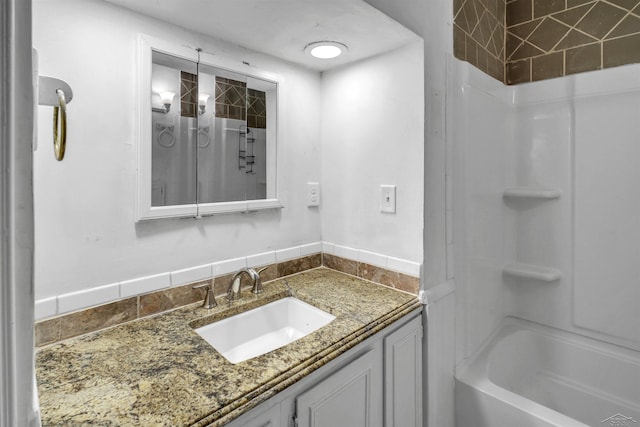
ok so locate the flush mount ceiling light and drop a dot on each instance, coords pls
(325, 49)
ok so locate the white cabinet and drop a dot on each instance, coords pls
(265, 415)
(351, 397)
(403, 376)
(377, 383)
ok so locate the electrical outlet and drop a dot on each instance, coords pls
(313, 194)
(388, 198)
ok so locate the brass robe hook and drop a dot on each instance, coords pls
(57, 94)
(60, 115)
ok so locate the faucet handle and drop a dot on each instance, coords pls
(209, 298)
(257, 285)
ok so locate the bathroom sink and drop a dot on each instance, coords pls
(263, 329)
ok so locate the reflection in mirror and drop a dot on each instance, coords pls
(173, 101)
(226, 114)
(232, 136)
(221, 129)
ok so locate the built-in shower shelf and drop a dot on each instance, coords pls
(530, 271)
(531, 193)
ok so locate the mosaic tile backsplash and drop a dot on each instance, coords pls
(548, 38)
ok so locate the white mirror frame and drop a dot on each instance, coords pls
(144, 210)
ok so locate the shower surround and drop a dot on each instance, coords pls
(547, 230)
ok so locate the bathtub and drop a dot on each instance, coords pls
(529, 375)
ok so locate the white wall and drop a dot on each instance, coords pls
(89, 248)
(86, 235)
(431, 19)
(372, 134)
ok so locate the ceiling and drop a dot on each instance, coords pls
(282, 28)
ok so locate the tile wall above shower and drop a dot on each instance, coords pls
(478, 35)
(545, 39)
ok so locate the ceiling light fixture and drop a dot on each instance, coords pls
(325, 49)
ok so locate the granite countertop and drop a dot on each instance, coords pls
(158, 371)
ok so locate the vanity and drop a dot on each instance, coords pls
(362, 368)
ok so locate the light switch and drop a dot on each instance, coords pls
(313, 194)
(388, 198)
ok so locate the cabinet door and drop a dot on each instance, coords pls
(403, 376)
(352, 397)
(259, 418)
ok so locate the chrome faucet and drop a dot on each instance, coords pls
(234, 291)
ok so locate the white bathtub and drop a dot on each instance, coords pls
(532, 375)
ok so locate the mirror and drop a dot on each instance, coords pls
(209, 130)
(173, 124)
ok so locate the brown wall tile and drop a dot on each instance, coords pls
(547, 66)
(188, 94)
(377, 274)
(95, 318)
(471, 47)
(231, 99)
(590, 34)
(483, 62)
(600, 19)
(496, 69)
(47, 332)
(287, 268)
(583, 58)
(459, 46)
(479, 35)
(519, 11)
(525, 50)
(573, 3)
(269, 273)
(627, 4)
(340, 264)
(629, 25)
(625, 50)
(221, 284)
(573, 15)
(574, 38)
(169, 299)
(389, 278)
(518, 72)
(457, 5)
(256, 109)
(548, 34)
(547, 7)
(408, 284)
(99, 317)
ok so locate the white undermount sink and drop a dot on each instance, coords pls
(263, 329)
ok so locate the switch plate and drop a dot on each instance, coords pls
(313, 194)
(388, 198)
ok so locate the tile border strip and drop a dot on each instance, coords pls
(104, 314)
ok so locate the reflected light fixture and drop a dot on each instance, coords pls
(202, 102)
(167, 99)
(325, 49)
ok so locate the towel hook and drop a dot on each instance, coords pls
(60, 139)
